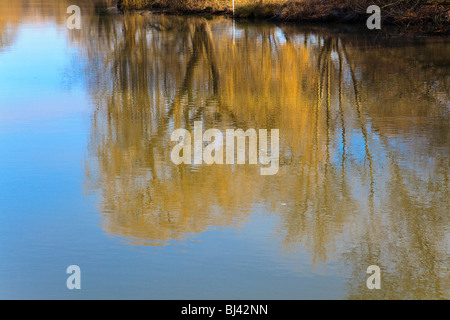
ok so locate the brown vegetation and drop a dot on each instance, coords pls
(419, 15)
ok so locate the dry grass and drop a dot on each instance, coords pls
(411, 12)
(211, 6)
(420, 13)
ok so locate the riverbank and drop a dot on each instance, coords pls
(412, 16)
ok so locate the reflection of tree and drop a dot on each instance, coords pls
(413, 256)
(12, 12)
(353, 184)
(140, 112)
(8, 22)
(365, 137)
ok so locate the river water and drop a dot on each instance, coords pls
(86, 176)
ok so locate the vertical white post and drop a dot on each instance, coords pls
(233, 7)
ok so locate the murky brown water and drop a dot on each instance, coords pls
(86, 175)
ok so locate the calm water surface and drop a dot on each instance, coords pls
(86, 177)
